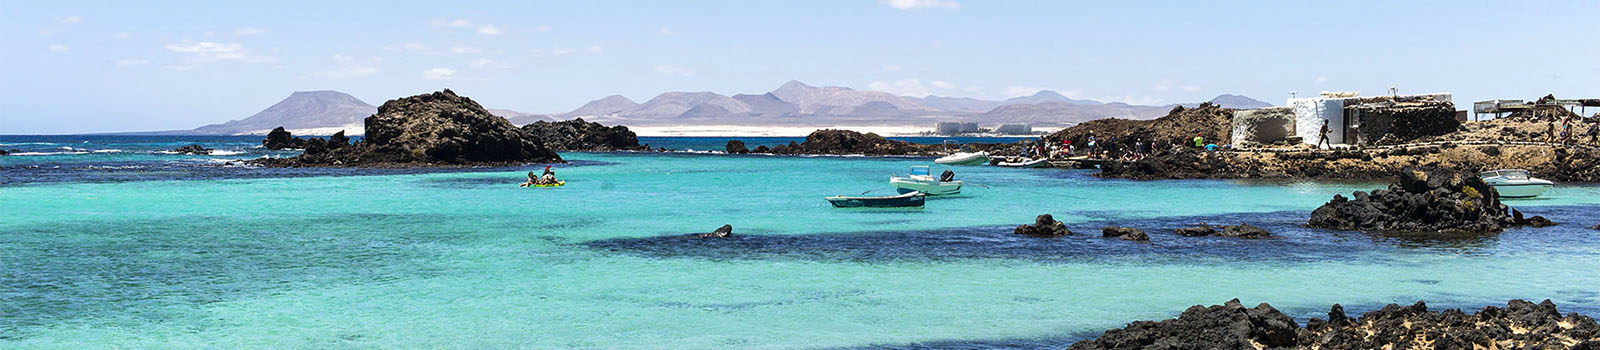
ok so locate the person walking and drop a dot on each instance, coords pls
(1322, 135)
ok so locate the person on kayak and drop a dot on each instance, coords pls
(549, 177)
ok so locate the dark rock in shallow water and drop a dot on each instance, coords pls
(4, 152)
(829, 141)
(1244, 231)
(193, 149)
(1043, 226)
(1226, 326)
(1127, 233)
(579, 135)
(720, 232)
(761, 149)
(1197, 231)
(1519, 325)
(1595, 227)
(436, 129)
(1535, 221)
(736, 147)
(279, 139)
(1423, 201)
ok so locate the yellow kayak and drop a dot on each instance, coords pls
(557, 184)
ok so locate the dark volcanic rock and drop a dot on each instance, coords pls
(1520, 325)
(720, 232)
(1244, 231)
(4, 152)
(736, 147)
(279, 138)
(1226, 326)
(1595, 227)
(1197, 231)
(1127, 233)
(436, 129)
(1043, 226)
(193, 149)
(1423, 201)
(579, 135)
(850, 142)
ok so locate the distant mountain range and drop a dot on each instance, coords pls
(793, 103)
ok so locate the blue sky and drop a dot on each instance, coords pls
(122, 66)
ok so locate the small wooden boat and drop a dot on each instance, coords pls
(913, 199)
(1024, 163)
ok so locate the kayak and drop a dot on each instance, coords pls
(557, 184)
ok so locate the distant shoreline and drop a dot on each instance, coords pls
(791, 131)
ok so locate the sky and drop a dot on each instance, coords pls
(104, 66)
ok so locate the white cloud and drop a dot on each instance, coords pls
(593, 49)
(248, 31)
(439, 74)
(558, 51)
(666, 31)
(130, 62)
(56, 48)
(891, 67)
(411, 47)
(206, 52)
(121, 35)
(464, 49)
(350, 67)
(1321, 80)
(943, 84)
(488, 63)
(480, 28)
(921, 4)
(673, 70)
(69, 19)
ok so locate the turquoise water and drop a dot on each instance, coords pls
(140, 249)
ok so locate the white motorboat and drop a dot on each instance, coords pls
(1516, 183)
(963, 158)
(1024, 163)
(921, 180)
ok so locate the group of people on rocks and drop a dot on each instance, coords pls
(1567, 135)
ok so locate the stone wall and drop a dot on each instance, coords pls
(1262, 126)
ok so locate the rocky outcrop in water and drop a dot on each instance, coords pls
(436, 129)
(193, 149)
(279, 138)
(4, 152)
(579, 135)
(1226, 326)
(1237, 231)
(1127, 233)
(720, 232)
(843, 142)
(1043, 226)
(1519, 325)
(736, 147)
(1423, 201)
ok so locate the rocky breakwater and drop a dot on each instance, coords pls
(435, 129)
(580, 135)
(1519, 325)
(1424, 201)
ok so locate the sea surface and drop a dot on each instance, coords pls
(113, 242)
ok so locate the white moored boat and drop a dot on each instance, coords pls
(1024, 163)
(1516, 183)
(963, 158)
(921, 180)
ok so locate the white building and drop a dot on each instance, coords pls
(1310, 112)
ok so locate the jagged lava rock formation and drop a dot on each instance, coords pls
(1520, 325)
(435, 129)
(579, 135)
(1423, 201)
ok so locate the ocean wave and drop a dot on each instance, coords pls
(117, 167)
(106, 151)
(165, 152)
(220, 152)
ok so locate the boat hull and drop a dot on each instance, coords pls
(1028, 164)
(935, 188)
(1528, 190)
(910, 200)
(977, 158)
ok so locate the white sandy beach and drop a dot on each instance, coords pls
(781, 131)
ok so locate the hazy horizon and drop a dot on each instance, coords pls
(107, 67)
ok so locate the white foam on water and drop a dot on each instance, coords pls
(107, 151)
(47, 153)
(225, 152)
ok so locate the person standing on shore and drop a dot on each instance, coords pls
(1594, 131)
(1322, 135)
(1566, 131)
(1550, 131)
(1199, 140)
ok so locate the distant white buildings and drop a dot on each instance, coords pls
(954, 128)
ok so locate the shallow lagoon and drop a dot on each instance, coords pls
(143, 249)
